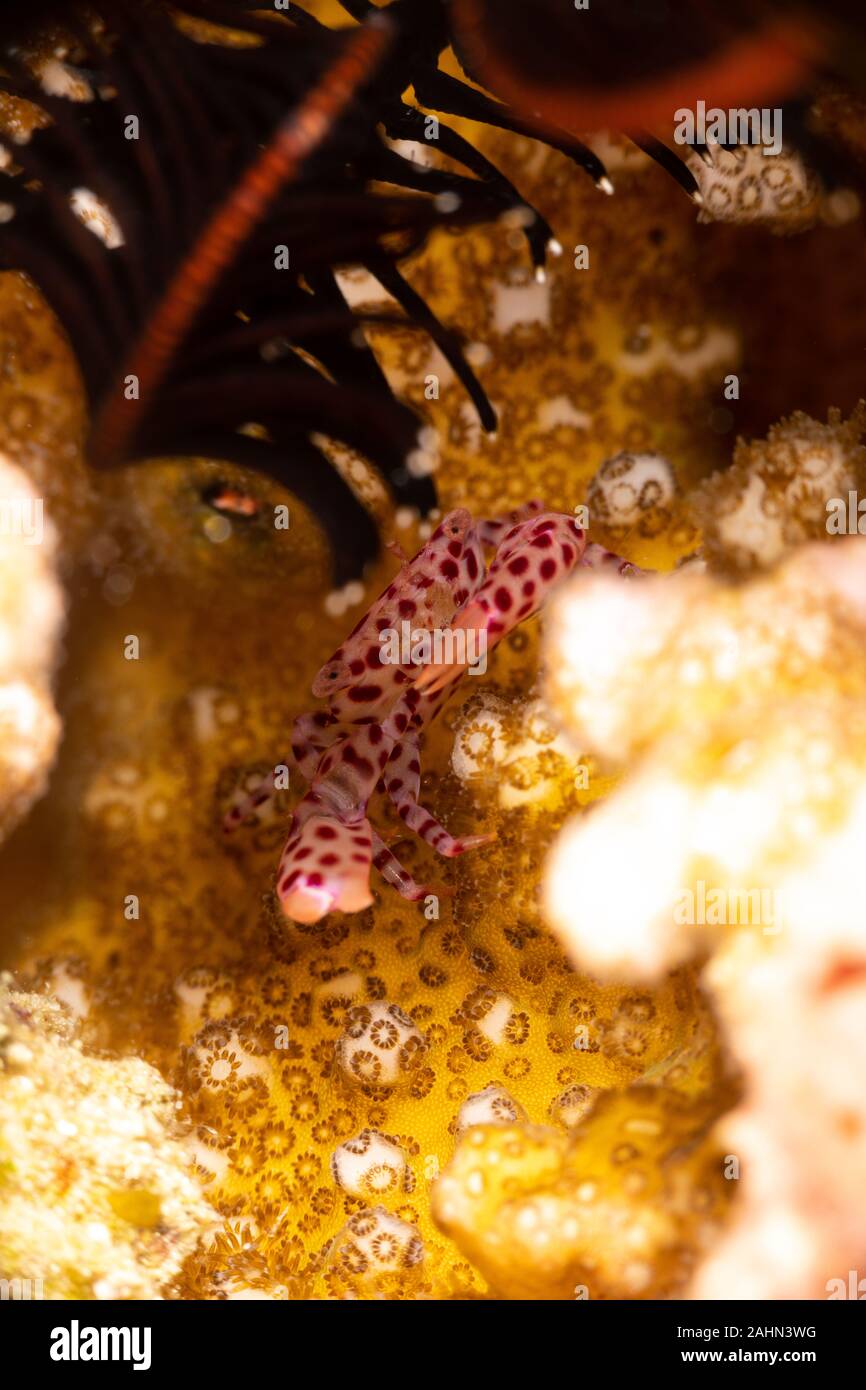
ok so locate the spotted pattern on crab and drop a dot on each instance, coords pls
(325, 865)
(367, 738)
(402, 783)
(427, 591)
(534, 555)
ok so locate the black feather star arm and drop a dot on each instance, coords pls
(231, 160)
(226, 183)
(552, 70)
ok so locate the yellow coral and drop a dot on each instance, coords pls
(606, 1211)
(775, 495)
(748, 184)
(97, 1198)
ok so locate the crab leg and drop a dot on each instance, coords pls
(362, 679)
(311, 735)
(393, 872)
(378, 703)
(325, 864)
(402, 783)
(263, 792)
(596, 557)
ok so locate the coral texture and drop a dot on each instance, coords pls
(620, 1207)
(96, 1196)
(744, 711)
(776, 492)
(32, 609)
(632, 493)
(743, 185)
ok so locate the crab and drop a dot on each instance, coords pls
(380, 698)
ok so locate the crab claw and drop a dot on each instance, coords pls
(535, 555)
(473, 620)
(325, 867)
(467, 842)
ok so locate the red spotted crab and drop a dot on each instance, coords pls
(379, 701)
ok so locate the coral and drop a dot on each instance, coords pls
(796, 631)
(368, 1165)
(632, 492)
(380, 1046)
(375, 1255)
(743, 711)
(97, 1199)
(796, 1023)
(32, 609)
(325, 1099)
(492, 1106)
(776, 492)
(778, 191)
(619, 1207)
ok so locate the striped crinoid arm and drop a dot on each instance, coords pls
(219, 243)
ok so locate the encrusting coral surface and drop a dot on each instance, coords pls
(97, 1197)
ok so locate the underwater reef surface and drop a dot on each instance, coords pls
(333, 1077)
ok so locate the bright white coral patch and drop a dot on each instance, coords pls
(612, 882)
(369, 1165)
(98, 1200)
(31, 616)
(380, 1045)
(739, 700)
(512, 747)
(776, 492)
(745, 185)
(375, 1242)
(492, 1106)
(632, 491)
(59, 79)
(742, 710)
